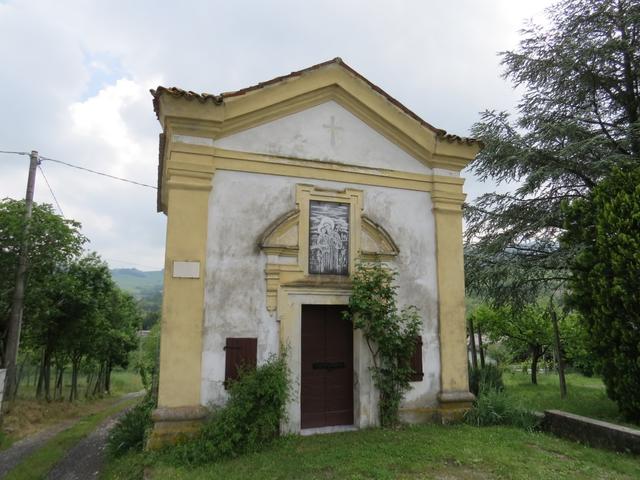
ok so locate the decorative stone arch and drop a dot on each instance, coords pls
(286, 241)
(375, 242)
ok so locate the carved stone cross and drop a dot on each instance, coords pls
(333, 128)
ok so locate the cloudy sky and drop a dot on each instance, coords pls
(75, 79)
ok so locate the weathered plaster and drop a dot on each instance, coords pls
(308, 135)
(328, 128)
(446, 173)
(235, 291)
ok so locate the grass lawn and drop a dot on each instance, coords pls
(419, 452)
(426, 451)
(29, 415)
(585, 395)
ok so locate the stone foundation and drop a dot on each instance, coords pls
(453, 405)
(172, 424)
(419, 415)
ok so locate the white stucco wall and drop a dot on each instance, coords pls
(242, 206)
(308, 135)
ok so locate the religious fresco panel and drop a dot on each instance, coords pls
(328, 238)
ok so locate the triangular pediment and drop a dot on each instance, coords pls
(326, 132)
(331, 88)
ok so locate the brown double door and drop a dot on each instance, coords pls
(327, 367)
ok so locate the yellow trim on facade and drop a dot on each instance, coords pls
(206, 160)
(183, 298)
(351, 197)
(185, 189)
(451, 307)
(330, 83)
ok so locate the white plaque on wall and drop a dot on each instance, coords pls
(186, 269)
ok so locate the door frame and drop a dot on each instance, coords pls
(289, 315)
(336, 316)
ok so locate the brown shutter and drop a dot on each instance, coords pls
(240, 352)
(416, 361)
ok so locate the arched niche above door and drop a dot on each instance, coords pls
(288, 246)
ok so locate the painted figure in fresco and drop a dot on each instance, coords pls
(329, 245)
(329, 238)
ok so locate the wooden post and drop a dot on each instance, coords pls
(17, 304)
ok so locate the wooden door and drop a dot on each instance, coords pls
(327, 367)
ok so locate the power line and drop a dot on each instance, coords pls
(98, 173)
(51, 190)
(82, 168)
(15, 153)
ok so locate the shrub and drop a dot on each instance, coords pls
(390, 334)
(494, 407)
(147, 361)
(249, 421)
(131, 430)
(605, 281)
(484, 379)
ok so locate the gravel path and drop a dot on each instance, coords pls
(86, 459)
(14, 455)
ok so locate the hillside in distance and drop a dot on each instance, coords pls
(137, 282)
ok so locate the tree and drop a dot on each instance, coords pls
(605, 281)
(53, 241)
(577, 345)
(577, 120)
(123, 320)
(526, 332)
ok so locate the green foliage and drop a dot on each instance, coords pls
(130, 433)
(605, 281)
(526, 332)
(390, 334)
(483, 379)
(577, 345)
(500, 353)
(52, 239)
(493, 407)
(577, 120)
(147, 361)
(248, 422)
(74, 315)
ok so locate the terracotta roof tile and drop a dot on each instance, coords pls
(219, 99)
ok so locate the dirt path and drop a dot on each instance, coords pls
(14, 455)
(11, 457)
(86, 459)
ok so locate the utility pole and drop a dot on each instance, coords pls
(17, 304)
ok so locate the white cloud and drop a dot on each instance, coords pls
(75, 77)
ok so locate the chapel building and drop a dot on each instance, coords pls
(272, 194)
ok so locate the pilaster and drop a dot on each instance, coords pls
(454, 395)
(179, 408)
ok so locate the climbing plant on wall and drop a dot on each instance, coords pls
(388, 331)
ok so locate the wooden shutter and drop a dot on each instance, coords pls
(240, 353)
(416, 361)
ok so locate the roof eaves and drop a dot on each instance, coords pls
(219, 99)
